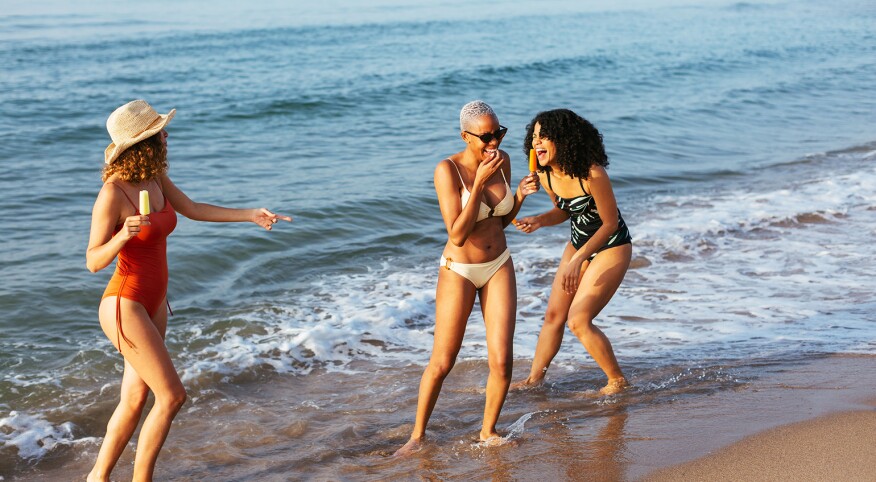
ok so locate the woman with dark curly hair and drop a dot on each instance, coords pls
(133, 309)
(571, 164)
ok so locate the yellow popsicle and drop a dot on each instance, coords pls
(533, 162)
(144, 203)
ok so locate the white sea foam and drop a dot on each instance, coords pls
(32, 435)
(738, 271)
(379, 314)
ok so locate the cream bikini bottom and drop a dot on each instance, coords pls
(477, 273)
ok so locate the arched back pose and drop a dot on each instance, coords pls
(572, 162)
(133, 309)
(477, 203)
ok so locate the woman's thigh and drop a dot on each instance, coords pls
(559, 301)
(454, 300)
(600, 280)
(149, 356)
(499, 306)
(132, 384)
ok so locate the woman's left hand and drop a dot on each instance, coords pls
(529, 184)
(267, 219)
(570, 275)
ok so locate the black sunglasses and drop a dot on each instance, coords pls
(489, 136)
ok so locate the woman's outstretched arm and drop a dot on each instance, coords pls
(217, 214)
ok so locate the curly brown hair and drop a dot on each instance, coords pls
(143, 161)
(579, 143)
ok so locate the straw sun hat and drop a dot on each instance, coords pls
(130, 124)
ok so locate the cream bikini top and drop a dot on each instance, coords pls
(484, 211)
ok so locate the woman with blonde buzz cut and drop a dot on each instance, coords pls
(477, 203)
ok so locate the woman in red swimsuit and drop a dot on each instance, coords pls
(133, 310)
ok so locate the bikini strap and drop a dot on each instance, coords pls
(503, 176)
(458, 173)
(126, 195)
(581, 183)
(549, 178)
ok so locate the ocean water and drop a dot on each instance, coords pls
(743, 155)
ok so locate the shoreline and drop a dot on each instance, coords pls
(647, 434)
(812, 421)
(831, 447)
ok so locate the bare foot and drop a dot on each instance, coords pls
(527, 384)
(496, 440)
(96, 478)
(615, 385)
(413, 446)
(492, 441)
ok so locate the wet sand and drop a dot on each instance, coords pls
(812, 421)
(343, 428)
(834, 447)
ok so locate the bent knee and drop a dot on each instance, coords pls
(555, 317)
(501, 366)
(439, 369)
(173, 400)
(135, 399)
(580, 324)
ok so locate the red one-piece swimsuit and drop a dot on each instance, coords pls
(141, 270)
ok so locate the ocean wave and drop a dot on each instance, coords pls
(32, 436)
(703, 217)
(377, 314)
(385, 312)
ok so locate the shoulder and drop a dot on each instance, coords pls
(444, 164)
(110, 191)
(597, 170)
(598, 183)
(110, 200)
(598, 173)
(446, 169)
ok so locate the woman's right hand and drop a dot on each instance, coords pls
(570, 274)
(487, 168)
(527, 224)
(132, 225)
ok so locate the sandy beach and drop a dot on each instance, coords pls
(834, 441)
(833, 447)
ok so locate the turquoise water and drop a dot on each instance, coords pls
(742, 147)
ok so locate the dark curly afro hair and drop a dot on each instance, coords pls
(143, 161)
(579, 143)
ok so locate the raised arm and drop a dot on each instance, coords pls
(460, 221)
(527, 186)
(217, 214)
(548, 218)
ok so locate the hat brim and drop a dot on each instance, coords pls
(115, 150)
